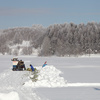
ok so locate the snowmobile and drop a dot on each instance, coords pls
(18, 65)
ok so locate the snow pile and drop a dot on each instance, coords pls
(9, 96)
(48, 76)
(11, 86)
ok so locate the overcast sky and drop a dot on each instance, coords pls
(21, 13)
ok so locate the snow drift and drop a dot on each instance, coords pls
(11, 86)
(48, 76)
(9, 96)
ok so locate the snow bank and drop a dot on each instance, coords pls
(9, 96)
(91, 55)
(11, 86)
(83, 84)
(48, 76)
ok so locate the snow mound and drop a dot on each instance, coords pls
(9, 96)
(11, 86)
(48, 76)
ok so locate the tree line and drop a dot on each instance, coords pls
(59, 39)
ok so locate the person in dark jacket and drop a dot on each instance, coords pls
(21, 65)
(32, 68)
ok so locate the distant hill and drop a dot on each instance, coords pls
(59, 39)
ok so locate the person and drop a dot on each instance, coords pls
(21, 65)
(32, 68)
(44, 64)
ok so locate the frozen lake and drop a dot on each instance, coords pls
(74, 70)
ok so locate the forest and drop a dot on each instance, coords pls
(66, 39)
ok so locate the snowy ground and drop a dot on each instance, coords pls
(73, 78)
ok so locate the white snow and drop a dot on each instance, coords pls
(19, 81)
(83, 84)
(18, 48)
(69, 77)
(15, 47)
(48, 76)
(9, 96)
(11, 82)
(91, 55)
(24, 43)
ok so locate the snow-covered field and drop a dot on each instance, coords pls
(64, 78)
